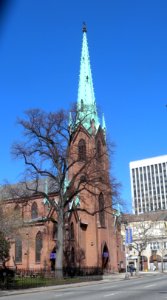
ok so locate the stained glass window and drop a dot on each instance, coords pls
(82, 150)
(34, 211)
(101, 210)
(18, 249)
(38, 246)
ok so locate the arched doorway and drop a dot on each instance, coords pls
(143, 263)
(105, 256)
(53, 259)
(155, 260)
(72, 257)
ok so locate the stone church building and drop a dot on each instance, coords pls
(90, 240)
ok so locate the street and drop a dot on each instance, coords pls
(149, 287)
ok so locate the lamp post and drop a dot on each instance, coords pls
(126, 263)
(128, 240)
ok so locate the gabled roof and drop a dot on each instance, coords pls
(18, 190)
(160, 215)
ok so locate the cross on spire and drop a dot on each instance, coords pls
(84, 29)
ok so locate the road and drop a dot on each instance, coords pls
(153, 287)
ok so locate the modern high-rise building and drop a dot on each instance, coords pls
(149, 184)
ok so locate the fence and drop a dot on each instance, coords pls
(21, 279)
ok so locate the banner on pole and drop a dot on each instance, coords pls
(128, 236)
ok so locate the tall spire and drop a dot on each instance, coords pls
(86, 104)
(104, 125)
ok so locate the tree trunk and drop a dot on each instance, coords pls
(59, 246)
(138, 264)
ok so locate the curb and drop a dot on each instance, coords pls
(4, 293)
(106, 278)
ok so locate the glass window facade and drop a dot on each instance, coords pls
(149, 184)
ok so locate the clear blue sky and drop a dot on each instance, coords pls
(40, 47)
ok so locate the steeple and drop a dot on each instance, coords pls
(104, 125)
(86, 104)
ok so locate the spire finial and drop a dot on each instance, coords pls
(84, 29)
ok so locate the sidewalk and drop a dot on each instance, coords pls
(106, 278)
(47, 288)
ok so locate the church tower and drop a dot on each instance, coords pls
(95, 243)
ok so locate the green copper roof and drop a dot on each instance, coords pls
(103, 123)
(45, 200)
(86, 104)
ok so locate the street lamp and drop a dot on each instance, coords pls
(128, 241)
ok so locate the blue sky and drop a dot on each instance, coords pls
(40, 47)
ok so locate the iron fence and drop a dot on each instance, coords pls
(21, 279)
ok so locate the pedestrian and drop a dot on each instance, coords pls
(154, 268)
(131, 270)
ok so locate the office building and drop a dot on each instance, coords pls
(149, 184)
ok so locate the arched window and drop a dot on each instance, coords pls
(83, 178)
(38, 246)
(17, 208)
(55, 229)
(99, 150)
(17, 211)
(18, 250)
(72, 231)
(82, 150)
(34, 211)
(101, 210)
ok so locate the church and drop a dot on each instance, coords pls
(90, 239)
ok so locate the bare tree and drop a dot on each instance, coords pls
(141, 238)
(148, 229)
(142, 229)
(160, 237)
(10, 222)
(49, 152)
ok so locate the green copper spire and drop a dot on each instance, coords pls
(45, 200)
(70, 118)
(86, 104)
(103, 123)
